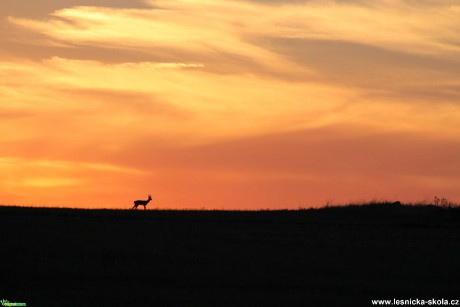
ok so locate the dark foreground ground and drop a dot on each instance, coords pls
(327, 257)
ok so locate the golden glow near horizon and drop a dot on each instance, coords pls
(229, 104)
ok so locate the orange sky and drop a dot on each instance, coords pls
(228, 104)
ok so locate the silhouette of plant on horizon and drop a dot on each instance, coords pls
(443, 202)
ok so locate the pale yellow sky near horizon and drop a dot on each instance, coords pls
(228, 104)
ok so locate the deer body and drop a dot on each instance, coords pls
(141, 202)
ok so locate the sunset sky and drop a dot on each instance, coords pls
(228, 104)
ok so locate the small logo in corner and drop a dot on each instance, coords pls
(4, 302)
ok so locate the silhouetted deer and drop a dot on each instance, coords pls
(141, 202)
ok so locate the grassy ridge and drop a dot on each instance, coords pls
(323, 257)
(369, 213)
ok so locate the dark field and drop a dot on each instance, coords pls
(326, 257)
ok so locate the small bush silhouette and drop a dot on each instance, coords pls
(444, 203)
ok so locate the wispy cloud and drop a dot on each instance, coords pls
(32, 180)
